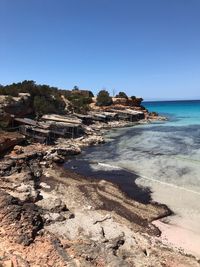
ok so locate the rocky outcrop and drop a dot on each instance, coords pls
(9, 139)
(53, 218)
(19, 106)
(14, 106)
(20, 221)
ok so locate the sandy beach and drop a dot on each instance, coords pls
(180, 230)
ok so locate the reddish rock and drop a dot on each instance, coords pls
(9, 140)
(20, 221)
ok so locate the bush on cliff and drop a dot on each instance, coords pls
(80, 102)
(137, 101)
(43, 98)
(121, 95)
(104, 99)
(43, 105)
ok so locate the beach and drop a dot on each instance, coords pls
(180, 230)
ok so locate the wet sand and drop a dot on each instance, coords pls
(182, 229)
(177, 231)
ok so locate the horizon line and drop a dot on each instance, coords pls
(171, 100)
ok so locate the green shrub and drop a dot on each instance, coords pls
(122, 95)
(137, 101)
(80, 102)
(43, 98)
(104, 99)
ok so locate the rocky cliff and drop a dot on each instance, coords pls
(19, 106)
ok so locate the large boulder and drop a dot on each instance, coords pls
(9, 139)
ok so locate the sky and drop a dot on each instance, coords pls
(148, 48)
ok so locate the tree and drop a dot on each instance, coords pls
(91, 94)
(136, 101)
(133, 97)
(122, 95)
(80, 102)
(103, 98)
(76, 88)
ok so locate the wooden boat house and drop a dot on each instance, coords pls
(65, 126)
(130, 115)
(103, 116)
(47, 131)
(33, 130)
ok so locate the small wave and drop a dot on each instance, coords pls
(108, 166)
(113, 167)
(171, 185)
(188, 160)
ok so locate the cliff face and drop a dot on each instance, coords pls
(120, 103)
(19, 106)
(127, 101)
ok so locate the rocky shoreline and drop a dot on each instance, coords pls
(56, 217)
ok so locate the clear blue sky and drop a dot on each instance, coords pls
(149, 48)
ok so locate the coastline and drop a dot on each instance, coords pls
(105, 203)
(182, 229)
(170, 234)
(94, 212)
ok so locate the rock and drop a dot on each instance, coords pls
(9, 140)
(18, 150)
(6, 167)
(26, 192)
(8, 263)
(19, 106)
(52, 217)
(36, 151)
(21, 221)
(68, 150)
(58, 206)
(115, 243)
(44, 185)
(35, 168)
(54, 157)
(54, 205)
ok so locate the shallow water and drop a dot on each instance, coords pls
(163, 156)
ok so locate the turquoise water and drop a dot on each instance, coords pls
(167, 152)
(162, 159)
(179, 112)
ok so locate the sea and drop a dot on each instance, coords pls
(161, 161)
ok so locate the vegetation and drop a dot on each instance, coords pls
(76, 88)
(43, 98)
(104, 99)
(46, 105)
(121, 95)
(80, 99)
(80, 102)
(137, 101)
